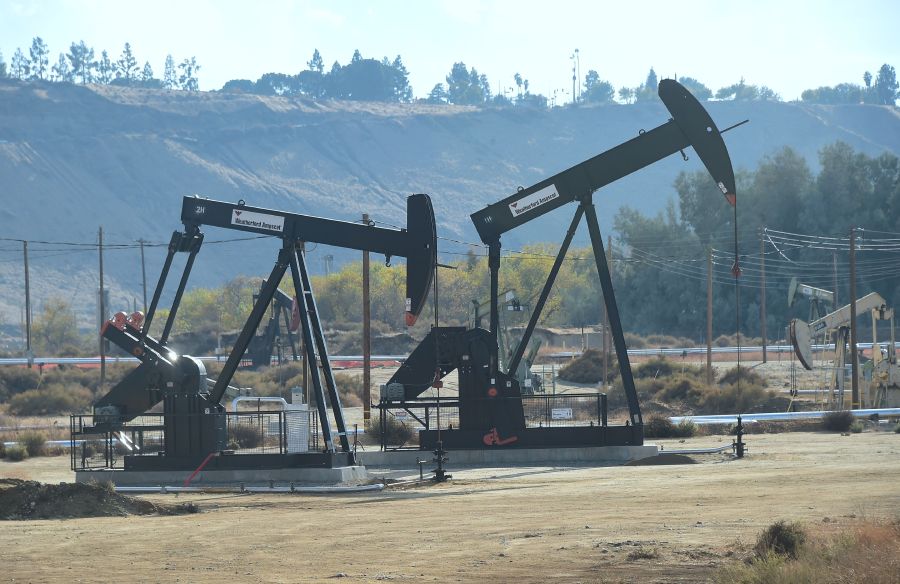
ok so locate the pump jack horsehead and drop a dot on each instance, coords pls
(490, 405)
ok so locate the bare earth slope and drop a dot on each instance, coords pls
(75, 157)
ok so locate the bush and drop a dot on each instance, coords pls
(839, 421)
(34, 442)
(781, 538)
(350, 389)
(16, 452)
(14, 380)
(245, 436)
(856, 427)
(658, 426)
(586, 368)
(396, 432)
(745, 375)
(728, 400)
(51, 400)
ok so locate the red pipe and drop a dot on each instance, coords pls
(199, 468)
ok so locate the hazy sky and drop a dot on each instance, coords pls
(787, 45)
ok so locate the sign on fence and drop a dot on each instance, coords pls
(561, 413)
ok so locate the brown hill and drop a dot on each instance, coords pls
(76, 157)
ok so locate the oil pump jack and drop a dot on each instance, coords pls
(490, 408)
(194, 420)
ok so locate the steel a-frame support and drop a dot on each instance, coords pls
(585, 208)
(313, 341)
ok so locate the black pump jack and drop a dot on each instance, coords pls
(194, 416)
(490, 406)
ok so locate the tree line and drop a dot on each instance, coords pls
(80, 64)
(387, 80)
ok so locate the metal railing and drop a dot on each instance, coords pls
(95, 447)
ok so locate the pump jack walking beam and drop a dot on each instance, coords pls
(690, 125)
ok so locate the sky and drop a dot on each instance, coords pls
(786, 45)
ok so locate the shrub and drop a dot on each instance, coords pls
(728, 399)
(642, 553)
(658, 426)
(745, 375)
(586, 368)
(16, 452)
(245, 436)
(34, 442)
(50, 400)
(396, 432)
(781, 538)
(856, 427)
(14, 380)
(838, 421)
(350, 388)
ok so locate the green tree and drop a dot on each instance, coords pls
(626, 94)
(647, 91)
(54, 330)
(597, 90)
(438, 94)
(886, 85)
(147, 73)
(127, 66)
(465, 87)
(19, 67)
(81, 57)
(3, 70)
(846, 93)
(40, 58)
(740, 91)
(61, 71)
(697, 89)
(170, 77)
(105, 69)
(187, 79)
(316, 63)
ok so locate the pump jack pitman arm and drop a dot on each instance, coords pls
(417, 242)
(690, 125)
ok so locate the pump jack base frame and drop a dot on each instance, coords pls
(537, 438)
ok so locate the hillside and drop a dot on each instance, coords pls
(74, 157)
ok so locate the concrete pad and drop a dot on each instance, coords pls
(589, 455)
(318, 476)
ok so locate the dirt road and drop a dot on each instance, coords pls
(648, 524)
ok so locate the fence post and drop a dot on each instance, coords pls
(603, 409)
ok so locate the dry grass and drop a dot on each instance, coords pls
(867, 552)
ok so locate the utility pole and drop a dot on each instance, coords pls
(709, 316)
(29, 354)
(834, 276)
(854, 358)
(367, 335)
(143, 273)
(762, 295)
(102, 314)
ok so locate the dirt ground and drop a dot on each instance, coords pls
(612, 524)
